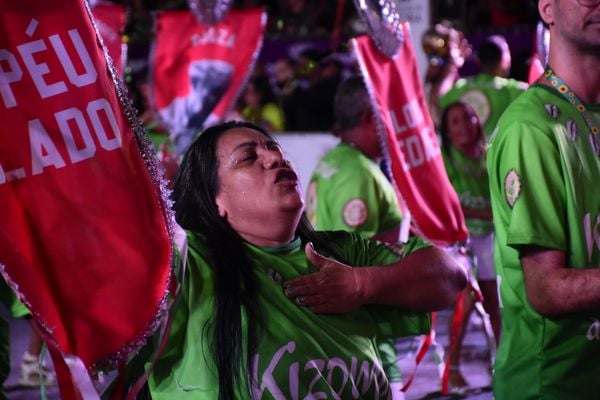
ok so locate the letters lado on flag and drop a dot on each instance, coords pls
(84, 225)
(198, 70)
(410, 142)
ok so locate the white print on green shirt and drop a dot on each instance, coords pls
(592, 234)
(369, 376)
(593, 332)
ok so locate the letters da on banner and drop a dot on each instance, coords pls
(82, 131)
(417, 142)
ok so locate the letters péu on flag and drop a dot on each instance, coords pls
(84, 224)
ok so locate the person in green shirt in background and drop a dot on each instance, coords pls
(349, 192)
(544, 170)
(463, 150)
(268, 308)
(260, 105)
(489, 92)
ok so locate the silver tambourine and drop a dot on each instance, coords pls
(384, 22)
(210, 11)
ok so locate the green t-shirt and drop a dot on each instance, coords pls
(270, 113)
(348, 191)
(470, 180)
(488, 95)
(301, 354)
(544, 181)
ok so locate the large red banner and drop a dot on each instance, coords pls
(198, 70)
(110, 21)
(84, 229)
(411, 145)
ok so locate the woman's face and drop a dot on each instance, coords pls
(463, 129)
(256, 182)
(251, 96)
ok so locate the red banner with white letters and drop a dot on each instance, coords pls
(411, 145)
(84, 226)
(198, 70)
(110, 21)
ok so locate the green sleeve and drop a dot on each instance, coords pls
(530, 183)
(357, 190)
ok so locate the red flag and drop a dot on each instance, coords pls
(84, 228)
(536, 69)
(540, 53)
(412, 148)
(110, 21)
(199, 70)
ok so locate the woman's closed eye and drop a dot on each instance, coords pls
(246, 156)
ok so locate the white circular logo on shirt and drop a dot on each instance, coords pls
(512, 187)
(355, 212)
(479, 102)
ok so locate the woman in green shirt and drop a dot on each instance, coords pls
(258, 317)
(463, 149)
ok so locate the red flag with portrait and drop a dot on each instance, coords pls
(110, 21)
(198, 70)
(84, 225)
(411, 145)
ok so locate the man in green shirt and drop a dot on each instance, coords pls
(348, 191)
(544, 169)
(489, 92)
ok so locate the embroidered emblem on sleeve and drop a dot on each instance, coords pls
(355, 212)
(512, 187)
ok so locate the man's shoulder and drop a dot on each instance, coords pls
(343, 158)
(530, 106)
(533, 111)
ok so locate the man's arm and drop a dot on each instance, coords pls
(553, 289)
(425, 280)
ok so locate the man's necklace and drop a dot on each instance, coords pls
(566, 92)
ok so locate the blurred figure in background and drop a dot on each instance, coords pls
(463, 149)
(349, 192)
(489, 92)
(285, 87)
(446, 50)
(260, 105)
(319, 77)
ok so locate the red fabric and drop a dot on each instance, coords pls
(536, 69)
(413, 151)
(83, 233)
(218, 56)
(421, 353)
(110, 20)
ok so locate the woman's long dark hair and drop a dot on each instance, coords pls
(446, 142)
(236, 285)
